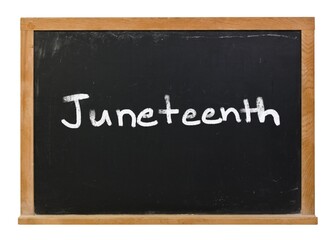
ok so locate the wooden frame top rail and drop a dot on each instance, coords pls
(255, 23)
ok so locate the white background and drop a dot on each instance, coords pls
(10, 13)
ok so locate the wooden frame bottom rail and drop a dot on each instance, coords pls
(169, 219)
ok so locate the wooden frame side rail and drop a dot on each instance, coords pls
(29, 25)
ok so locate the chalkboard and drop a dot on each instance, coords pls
(227, 167)
(151, 122)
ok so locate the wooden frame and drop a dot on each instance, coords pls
(29, 25)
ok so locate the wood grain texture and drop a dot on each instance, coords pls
(169, 219)
(27, 97)
(167, 23)
(308, 122)
(28, 25)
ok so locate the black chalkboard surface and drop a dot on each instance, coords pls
(239, 154)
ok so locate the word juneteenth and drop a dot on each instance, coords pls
(189, 118)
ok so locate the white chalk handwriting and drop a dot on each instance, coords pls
(189, 118)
